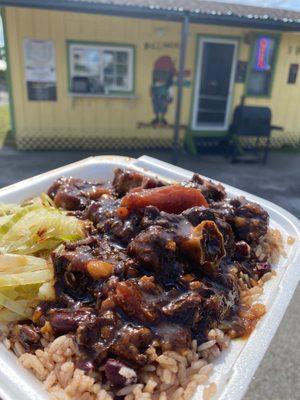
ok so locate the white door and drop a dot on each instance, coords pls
(214, 81)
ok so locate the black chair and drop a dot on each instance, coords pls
(255, 122)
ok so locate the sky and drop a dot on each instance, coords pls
(288, 4)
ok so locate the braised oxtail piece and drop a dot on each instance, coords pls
(125, 180)
(213, 192)
(75, 194)
(205, 246)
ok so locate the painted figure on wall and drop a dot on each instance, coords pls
(161, 94)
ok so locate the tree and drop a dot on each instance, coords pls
(2, 67)
(2, 53)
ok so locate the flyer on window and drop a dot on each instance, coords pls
(40, 69)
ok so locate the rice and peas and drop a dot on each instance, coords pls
(173, 375)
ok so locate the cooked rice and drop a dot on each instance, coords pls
(209, 391)
(270, 247)
(169, 376)
(291, 240)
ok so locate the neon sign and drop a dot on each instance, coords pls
(262, 54)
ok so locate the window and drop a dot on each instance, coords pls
(262, 66)
(100, 69)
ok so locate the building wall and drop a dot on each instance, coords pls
(79, 121)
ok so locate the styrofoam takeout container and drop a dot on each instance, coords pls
(236, 365)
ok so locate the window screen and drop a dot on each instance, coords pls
(99, 69)
(262, 66)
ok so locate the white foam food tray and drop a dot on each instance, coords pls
(235, 367)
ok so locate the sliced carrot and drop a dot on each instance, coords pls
(172, 199)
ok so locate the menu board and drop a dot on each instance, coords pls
(40, 69)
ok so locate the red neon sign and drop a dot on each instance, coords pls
(262, 56)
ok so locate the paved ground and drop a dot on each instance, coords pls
(279, 181)
(3, 97)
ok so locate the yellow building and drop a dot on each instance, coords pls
(104, 74)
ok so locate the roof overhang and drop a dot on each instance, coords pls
(154, 13)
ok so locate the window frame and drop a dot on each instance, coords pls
(255, 36)
(131, 48)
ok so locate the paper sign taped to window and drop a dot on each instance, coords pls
(40, 69)
(39, 60)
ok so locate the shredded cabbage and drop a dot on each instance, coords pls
(27, 231)
(7, 209)
(14, 263)
(4, 219)
(46, 291)
(24, 281)
(37, 227)
(24, 278)
(20, 307)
